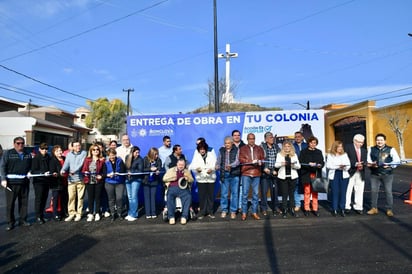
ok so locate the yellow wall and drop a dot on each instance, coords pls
(375, 123)
(381, 125)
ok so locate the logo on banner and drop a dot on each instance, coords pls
(257, 129)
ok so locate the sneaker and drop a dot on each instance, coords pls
(200, 217)
(183, 221)
(154, 216)
(232, 215)
(223, 215)
(90, 217)
(97, 217)
(148, 217)
(372, 211)
(131, 219)
(172, 221)
(127, 217)
(211, 216)
(107, 214)
(78, 218)
(389, 213)
(68, 219)
(297, 208)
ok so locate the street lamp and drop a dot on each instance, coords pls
(307, 107)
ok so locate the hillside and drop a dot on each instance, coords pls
(235, 107)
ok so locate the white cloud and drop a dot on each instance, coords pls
(67, 70)
(51, 7)
(105, 73)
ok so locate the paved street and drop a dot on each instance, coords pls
(354, 244)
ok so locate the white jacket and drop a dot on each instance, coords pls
(198, 162)
(282, 169)
(333, 162)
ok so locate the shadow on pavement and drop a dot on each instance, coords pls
(7, 253)
(270, 250)
(387, 238)
(56, 257)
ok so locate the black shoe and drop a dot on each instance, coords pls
(316, 213)
(24, 223)
(360, 212)
(40, 221)
(57, 218)
(334, 213)
(9, 227)
(113, 217)
(284, 213)
(347, 211)
(342, 213)
(306, 213)
(292, 212)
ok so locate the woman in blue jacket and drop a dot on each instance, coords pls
(134, 164)
(115, 183)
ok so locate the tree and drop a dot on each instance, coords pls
(107, 116)
(398, 122)
(210, 93)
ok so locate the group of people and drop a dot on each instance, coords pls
(241, 168)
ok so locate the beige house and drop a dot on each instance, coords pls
(43, 124)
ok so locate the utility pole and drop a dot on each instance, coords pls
(217, 107)
(128, 99)
(29, 107)
(227, 96)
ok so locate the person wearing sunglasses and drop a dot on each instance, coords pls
(41, 166)
(16, 162)
(94, 170)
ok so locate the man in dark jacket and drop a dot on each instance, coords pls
(14, 170)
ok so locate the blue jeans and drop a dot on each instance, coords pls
(231, 182)
(296, 193)
(184, 195)
(248, 181)
(132, 188)
(149, 192)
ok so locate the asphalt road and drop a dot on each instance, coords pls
(325, 244)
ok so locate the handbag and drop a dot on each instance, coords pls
(320, 185)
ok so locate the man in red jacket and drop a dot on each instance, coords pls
(251, 159)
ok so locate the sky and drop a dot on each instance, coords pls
(63, 53)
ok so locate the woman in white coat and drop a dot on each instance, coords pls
(288, 163)
(338, 164)
(203, 167)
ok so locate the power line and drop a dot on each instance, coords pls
(84, 32)
(380, 94)
(43, 83)
(30, 93)
(39, 97)
(292, 22)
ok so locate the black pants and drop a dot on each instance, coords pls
(60, 196)
(206, 191)
(287, 187)
(41, 193)
(94, 195)
(21, 193)
(269, 183)
(115, 195)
